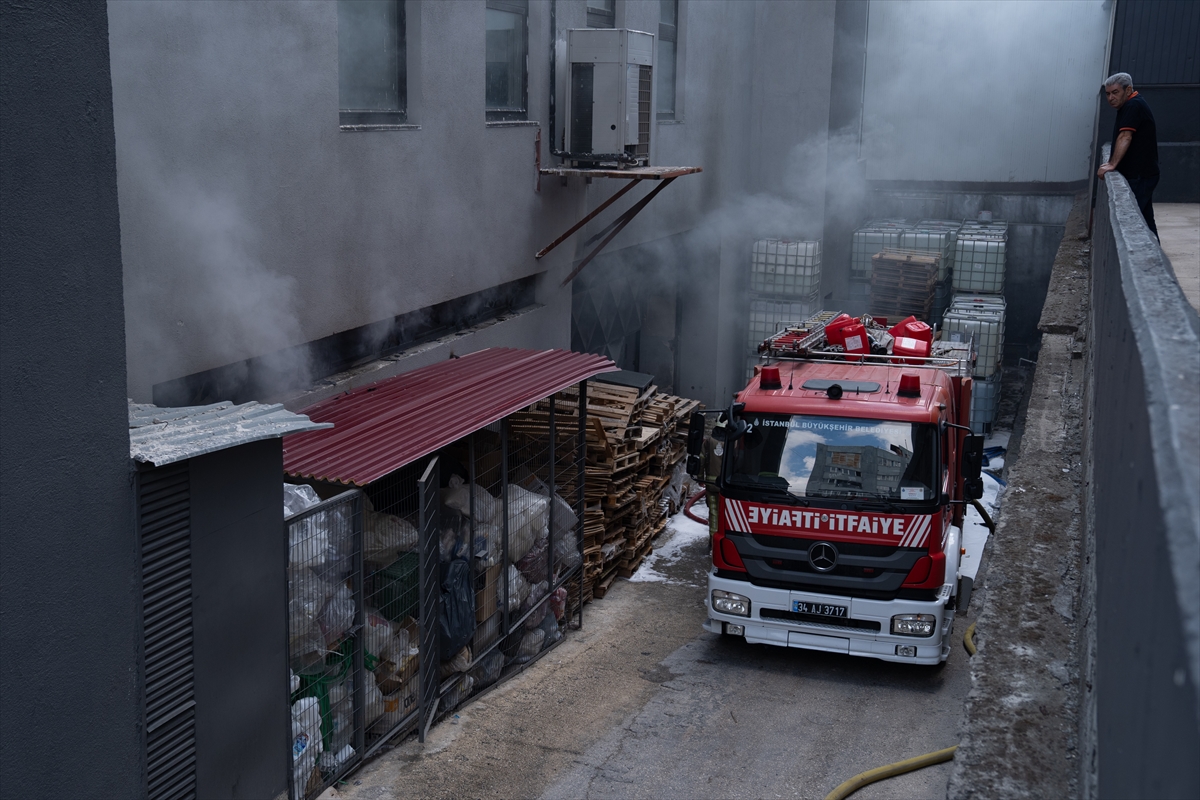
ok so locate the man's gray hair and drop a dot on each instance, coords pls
(1121, 79)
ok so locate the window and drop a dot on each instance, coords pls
(372, 60)
(601, 13)
(668, 46)
(507, 54)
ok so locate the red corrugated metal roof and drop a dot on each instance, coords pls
(381, 427)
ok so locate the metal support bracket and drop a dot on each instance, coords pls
(635, 175)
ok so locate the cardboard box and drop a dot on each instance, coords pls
(486, 597)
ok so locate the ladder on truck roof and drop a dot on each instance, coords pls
(806, 341)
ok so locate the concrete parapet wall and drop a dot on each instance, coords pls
(1141, 726)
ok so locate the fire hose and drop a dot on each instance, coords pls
(687, 508)
(889, 771)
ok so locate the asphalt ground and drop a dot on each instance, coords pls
(644, 703)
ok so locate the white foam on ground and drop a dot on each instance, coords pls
(975, 533)
(681, 532)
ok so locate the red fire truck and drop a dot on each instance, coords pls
(843, 472)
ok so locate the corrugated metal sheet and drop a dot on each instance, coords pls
(381, 427)
(1157, 42)
(166, 435)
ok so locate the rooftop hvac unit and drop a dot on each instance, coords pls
(609, 99)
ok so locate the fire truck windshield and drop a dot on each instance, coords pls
(836, 458)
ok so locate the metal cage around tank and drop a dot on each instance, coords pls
(440, 558)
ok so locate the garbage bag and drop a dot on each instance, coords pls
(536, 592)
(549, 627)
(566, 553)
(451, 545)
(487, 671)
(558, 602)
(458, 497)
(379, 635)
(518, 589)
(533, 563)
(337, 616)
(306, 739)
(487, 545)
(459, 692)
(526, 520)
(459, 663)
(531, 645)
(386, 536)
(457, 617)
(296, 498)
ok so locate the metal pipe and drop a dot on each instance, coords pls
(504, 505)
(471, 502)
(580, 476)
(360, 672)
(553, 59)
(550, 514)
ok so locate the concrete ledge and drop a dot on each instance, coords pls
(1019, 735)
(1142, 720)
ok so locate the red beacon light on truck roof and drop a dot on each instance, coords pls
(769, 378)
(910, 385)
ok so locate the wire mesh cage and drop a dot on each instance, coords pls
(325, 628)
(430, 584)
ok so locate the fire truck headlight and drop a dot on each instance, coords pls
(913, 624)
(730, 603)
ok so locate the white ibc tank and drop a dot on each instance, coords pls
(979, 258)
(938, 241)
(985, 399)
(769, 316)
(981, 316)
(880, 234)
(786, 268)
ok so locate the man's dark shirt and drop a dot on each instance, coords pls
(1141, 159)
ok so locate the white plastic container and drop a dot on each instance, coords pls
(938, 241)
(982, 317)
(985, 399)
(980, 258)
(869, 240)
(786, 268)
(306, 740)
(768, 316)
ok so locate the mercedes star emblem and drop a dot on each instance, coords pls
(822, 556)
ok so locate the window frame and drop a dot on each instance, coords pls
(668, 33)
(521, 8)
(360, 118)
(601, 18)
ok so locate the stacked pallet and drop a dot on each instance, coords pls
(903, 283)
(635, 441)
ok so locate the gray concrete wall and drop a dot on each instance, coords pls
(70, 694)
(239, 622)
(1142, 731)
(251, 223)
(982, 91)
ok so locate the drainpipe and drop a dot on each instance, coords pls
(553, 59)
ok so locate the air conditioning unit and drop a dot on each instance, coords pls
(610, 97)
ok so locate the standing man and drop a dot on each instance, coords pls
(1134, 143)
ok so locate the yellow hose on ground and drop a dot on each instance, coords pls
(891, 770)
(969, 639)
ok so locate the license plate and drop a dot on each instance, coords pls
(818, 609)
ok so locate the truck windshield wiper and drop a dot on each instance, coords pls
(881, 505)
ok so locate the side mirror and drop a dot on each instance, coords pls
(695, 435)
(972, 467)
